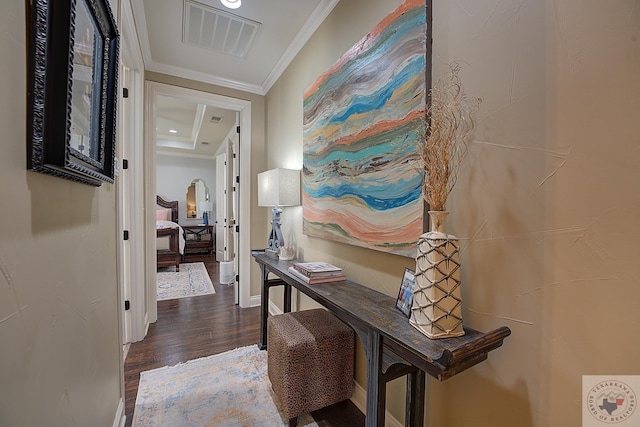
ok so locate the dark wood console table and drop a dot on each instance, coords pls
(393, 347)
(198, 239)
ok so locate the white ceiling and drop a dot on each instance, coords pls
(283, 27)
(184, 128)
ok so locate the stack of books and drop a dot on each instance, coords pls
(317, 272)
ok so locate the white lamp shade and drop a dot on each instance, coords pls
(279, 187)
(205, 206)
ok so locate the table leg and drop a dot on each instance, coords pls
(376, 385)
(264, 308)
(414, 416)
(287, 298)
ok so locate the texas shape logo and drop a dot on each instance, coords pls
(611, 401)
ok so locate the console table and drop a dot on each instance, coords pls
(198, 239)
(393, 347)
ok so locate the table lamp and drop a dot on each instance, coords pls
(278, 187)
(205, 208)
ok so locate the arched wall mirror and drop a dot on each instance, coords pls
(198, 201)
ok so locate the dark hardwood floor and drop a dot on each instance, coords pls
(190, 328)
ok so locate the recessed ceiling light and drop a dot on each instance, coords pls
(173, 131)
(231, 4)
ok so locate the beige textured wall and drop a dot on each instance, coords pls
(547, 205)
(59, 334)
(347, 23)
(550, 199)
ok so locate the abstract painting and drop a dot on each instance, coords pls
(362, 122)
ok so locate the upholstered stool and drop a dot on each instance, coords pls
(310, 360)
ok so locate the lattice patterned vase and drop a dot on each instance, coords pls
(436, 310)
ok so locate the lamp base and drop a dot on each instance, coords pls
(275, 237)
(271, 253)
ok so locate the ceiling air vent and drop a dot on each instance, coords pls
(215, 119)
(217, 30)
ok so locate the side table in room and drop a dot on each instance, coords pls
(198, 239)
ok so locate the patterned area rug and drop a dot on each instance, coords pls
(228, 389)
(192, 280)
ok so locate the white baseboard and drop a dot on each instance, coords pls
(273, 309)
(125, 350)
(120, 417)
(255, 301)
(146, 323)
(360, 400)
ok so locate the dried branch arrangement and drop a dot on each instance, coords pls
(449, 127)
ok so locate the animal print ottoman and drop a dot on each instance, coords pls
(310, 360)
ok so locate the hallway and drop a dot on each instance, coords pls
(190, 328)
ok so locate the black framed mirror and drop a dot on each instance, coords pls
(72, 84)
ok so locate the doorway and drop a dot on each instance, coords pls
(243, 109)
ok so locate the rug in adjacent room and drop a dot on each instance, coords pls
(192, 280)
(227, 389)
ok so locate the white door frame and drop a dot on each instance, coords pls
(129, 190)
(220, 225)
(236, 209)
(124, 255)
(231, 251)
(129, 203)
(242, 106)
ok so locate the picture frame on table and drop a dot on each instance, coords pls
(405, 294)
(72, 89)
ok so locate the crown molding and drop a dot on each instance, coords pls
(310, 26)
(172, 154)
(140, 20)
(320, 13)
(204, 77)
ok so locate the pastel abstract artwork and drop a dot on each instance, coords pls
(362, 122)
